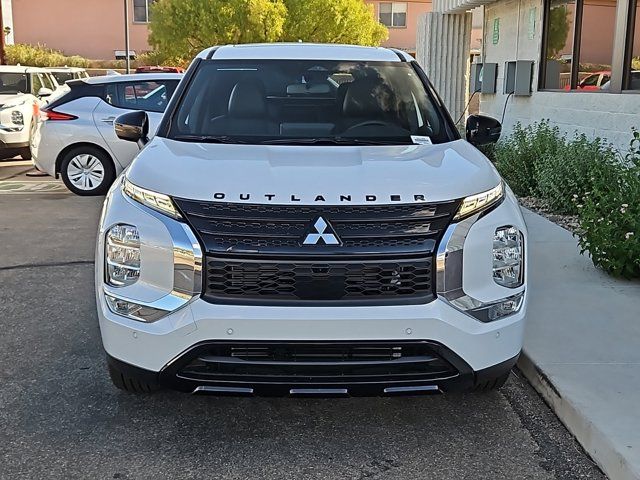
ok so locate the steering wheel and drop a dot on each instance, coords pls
(371, 123)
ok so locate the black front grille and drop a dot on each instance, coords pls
(315, 363)
(312, 281)
(280, 229)
(256, 253)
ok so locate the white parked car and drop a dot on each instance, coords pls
(64, 74)
(308, 221)
(23, 90)
(74, 137)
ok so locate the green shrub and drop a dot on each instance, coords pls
(489, 151)
(516, 156)
(41, 56)
(155, 57)
(567, 172)
(609, 216)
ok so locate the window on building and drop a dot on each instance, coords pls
(141, 10)
(558, 56)
(393, 14)
(578, 44)
(632, 77)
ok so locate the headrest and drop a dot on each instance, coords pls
(247, 99)
(366, 98)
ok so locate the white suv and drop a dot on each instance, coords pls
(308, 221)
(23, 90)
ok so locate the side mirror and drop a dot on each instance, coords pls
(482, 130)
(133, 127)
(45, 92)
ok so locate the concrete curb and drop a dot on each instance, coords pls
(595, 442)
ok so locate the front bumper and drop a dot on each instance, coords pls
(477, 351)
(7, 143)
(238, 383)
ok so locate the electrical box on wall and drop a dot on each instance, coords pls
(518, 76)
(483, 77)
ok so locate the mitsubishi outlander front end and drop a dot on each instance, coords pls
(308, 221)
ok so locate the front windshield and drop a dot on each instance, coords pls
(12, 83)
(307, 101)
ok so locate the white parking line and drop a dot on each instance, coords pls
(21, 187)
(17, 163)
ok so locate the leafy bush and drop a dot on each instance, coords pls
(567, 172)
(609, 216)
(517, 155)
(41, 56)
(584, 177)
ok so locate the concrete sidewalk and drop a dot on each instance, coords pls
(582, 347)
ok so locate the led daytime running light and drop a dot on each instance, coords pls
(475, 203)
(157, 201)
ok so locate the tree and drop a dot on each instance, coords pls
(333, 21)
(182, 28)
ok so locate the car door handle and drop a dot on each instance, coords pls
(108, 119)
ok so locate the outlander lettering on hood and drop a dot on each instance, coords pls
(272, 197)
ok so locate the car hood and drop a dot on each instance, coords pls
(313, 174)
(13, 98)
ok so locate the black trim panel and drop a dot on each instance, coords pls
(466, 380)
(249, 229)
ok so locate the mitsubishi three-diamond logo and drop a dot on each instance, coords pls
(321, 233)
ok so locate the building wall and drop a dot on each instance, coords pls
(91, 28)
(405, 37)
(7, 20)
(607, 115)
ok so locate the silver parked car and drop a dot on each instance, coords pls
(74, 135)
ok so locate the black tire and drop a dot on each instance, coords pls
(493, 383)
(25, 153)
(130, 384)
(92, 187)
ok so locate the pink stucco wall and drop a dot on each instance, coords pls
(91, 28)
(405, 38)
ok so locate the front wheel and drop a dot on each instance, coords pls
(124, 381)
(87, 171)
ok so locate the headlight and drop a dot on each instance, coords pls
(508, 257)
(475, 203)
(122, 255)
(17, 118)
(157, 201)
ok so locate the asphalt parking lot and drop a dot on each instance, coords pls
(60, 417)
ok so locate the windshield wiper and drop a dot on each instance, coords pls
(333, 141)
(208, 138)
